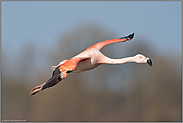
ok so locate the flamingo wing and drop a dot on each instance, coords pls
(54, 67)
(100, 45)
(60, 72)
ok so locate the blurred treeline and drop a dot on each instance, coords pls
(128, 92)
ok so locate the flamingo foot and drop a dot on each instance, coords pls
(51, 82)
(36, 89)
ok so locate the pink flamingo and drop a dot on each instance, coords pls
(86, 60)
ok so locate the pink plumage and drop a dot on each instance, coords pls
(86, 60)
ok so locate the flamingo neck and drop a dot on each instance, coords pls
(118, 61)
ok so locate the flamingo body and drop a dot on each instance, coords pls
(87, 60)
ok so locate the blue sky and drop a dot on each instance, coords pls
(43, 21)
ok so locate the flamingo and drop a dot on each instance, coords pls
(87, 60)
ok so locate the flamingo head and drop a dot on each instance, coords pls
(139, 58)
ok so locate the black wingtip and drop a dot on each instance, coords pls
(129, 36)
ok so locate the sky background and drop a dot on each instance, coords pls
(42, 23)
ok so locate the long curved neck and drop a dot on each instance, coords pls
(107, 60)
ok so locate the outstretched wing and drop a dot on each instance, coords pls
(60, 72)
(100, 45)
(54, 67)
(71, 64)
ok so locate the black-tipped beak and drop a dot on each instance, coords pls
(149, 61)
(52, 81)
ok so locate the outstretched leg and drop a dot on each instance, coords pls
(51, 82)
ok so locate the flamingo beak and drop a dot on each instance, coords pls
(52, 81)
(149, 62)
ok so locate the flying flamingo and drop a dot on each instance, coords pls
(86, 60)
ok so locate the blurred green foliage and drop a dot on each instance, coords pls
(129, 92)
